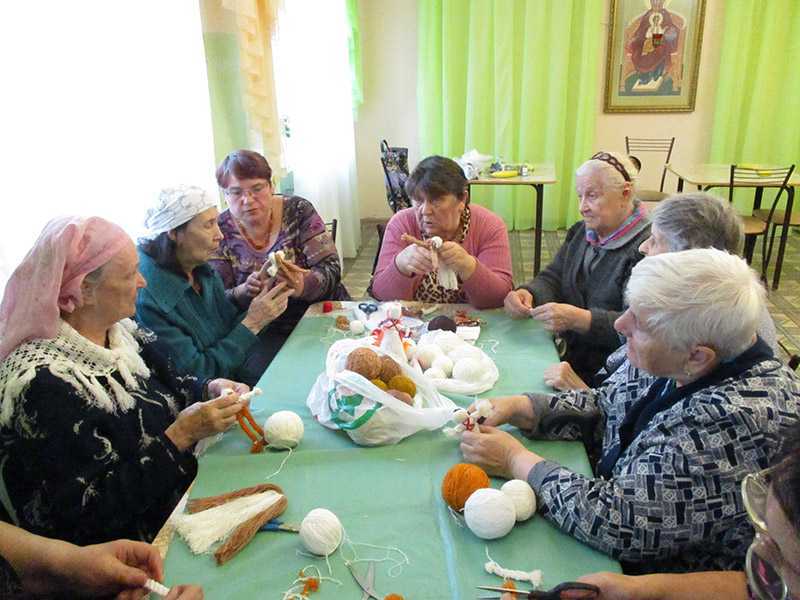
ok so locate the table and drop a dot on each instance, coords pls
(540, 176)
(388, 495)
(707, 176)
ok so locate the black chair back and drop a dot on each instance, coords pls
(395, 174)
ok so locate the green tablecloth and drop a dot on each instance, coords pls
(389, 496)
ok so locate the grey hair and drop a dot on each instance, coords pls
(698, 220)
(94, 276)
(612, 178)
(698, 297)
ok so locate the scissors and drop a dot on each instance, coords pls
(278, 525)
(367, 583)
(368, 308)
(569, 590)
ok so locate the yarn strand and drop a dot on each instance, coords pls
(534, 577)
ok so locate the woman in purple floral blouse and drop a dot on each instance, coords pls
(258, 222)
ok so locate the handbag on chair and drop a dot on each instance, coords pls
(395, 174)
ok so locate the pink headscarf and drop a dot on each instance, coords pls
(50, 276)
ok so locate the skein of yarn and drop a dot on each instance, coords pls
(489, 513)
(522, 496)
(284, 429)
(460, 482)
(321, 532)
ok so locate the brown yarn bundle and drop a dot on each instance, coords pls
(460, 482)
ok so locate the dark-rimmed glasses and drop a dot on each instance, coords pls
(236, 193)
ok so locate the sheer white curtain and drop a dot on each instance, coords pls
(104, 103)
(312, 72)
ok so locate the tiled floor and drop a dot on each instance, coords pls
(784, 303)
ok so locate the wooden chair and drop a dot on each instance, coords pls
(331, 227)
(760, 178)
(657, 145)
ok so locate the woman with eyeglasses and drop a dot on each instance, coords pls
(258, 222)
(772, 568)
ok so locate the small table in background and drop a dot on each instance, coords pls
(707, 176)
(540, 176)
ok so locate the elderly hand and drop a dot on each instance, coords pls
(557, 317)
(514, 410)
(294, 276)
(217, 386)
(498, 452)
(414, 260)
(462, 262)
(518, 303)
(250, 288)
(562, 377)
(614, 586)
(267, 306)
(202, 419)
(185, 592)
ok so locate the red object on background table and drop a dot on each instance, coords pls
(327, 306)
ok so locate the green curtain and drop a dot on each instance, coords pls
(755, 118)
(354, 44)
(517, 79)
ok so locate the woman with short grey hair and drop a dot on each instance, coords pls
(681, 222)
(702, 403)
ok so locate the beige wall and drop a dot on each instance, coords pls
(389, 46)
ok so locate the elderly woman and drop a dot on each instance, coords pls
(681, 222)
(259, 222)
(96, 430)
(474, 254)
(674, 450)
(579, 295)
(184, 302)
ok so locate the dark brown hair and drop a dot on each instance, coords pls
(243, 164)
(786, 478)
(436, 176)
(163, 250)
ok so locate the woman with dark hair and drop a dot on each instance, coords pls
(474, 243)
(184, 302)
(258, 223)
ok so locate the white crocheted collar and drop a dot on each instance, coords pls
(77, 360)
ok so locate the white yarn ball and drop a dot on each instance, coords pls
(357, 327)
(426, 354)
(489, 513)
(394, 311)
(284, 429)
(448, 341)
(435, 373)
(522, 496)
(321, 532)
(465, 351)
(443, 363)
(468, 369)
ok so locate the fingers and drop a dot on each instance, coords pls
(517, 303)
(146, 557)
(185, 592)
(276, 290)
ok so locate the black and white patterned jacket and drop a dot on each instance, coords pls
(673, 500)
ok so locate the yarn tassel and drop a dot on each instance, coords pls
(534, 577)
(199, 504)
(202, 529)
(242, 535)
(124, 399)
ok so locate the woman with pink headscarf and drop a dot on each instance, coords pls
(96, 430)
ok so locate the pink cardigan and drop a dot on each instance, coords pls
(487, 241)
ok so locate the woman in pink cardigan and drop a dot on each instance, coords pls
(475, 243)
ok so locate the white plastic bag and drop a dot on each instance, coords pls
(342, 399)
(452, 344)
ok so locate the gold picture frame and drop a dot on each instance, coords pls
(653, 55)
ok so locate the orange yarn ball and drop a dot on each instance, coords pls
(393, 597)
(459, 483)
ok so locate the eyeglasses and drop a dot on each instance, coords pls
(254, 191)
(764, 562)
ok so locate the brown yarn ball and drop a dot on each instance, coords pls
(365, 362)
(380, 383)
(460, 482)
(389, 368)
(401, 383)
(402, 396)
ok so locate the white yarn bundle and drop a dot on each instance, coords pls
(468, 370)
(489, 513)
(444, 364)
(522, 496)
(428, 353)
(321, 532)
(284, 429)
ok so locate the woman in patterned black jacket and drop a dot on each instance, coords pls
(96, 430)
(703, 403)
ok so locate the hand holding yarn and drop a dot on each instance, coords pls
(414, 260)
(514, 410)
(518, 303)
(470, 420)
(218, 387)
(492, 449)
(202, 419)
(462, 262)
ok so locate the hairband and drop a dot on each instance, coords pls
(608, 158)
